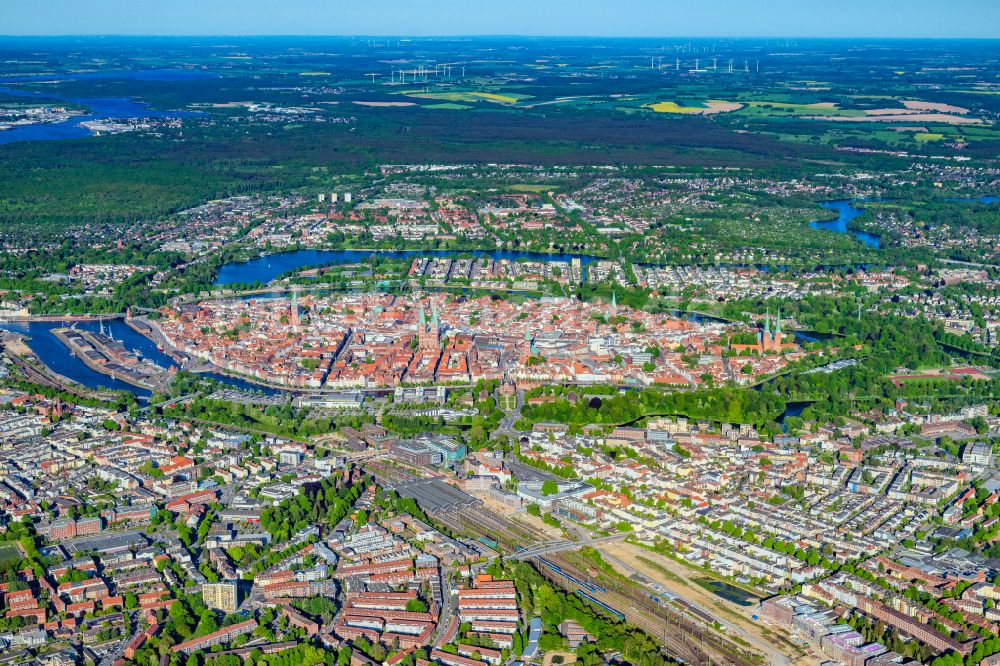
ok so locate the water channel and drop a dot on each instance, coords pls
(55, 354)
(99, 108)
(846, 211)
(267, 268)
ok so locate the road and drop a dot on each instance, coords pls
(173, 401)
(683, 637)
(773, 655)
(506, 426)
(113, 656)
(447, 606)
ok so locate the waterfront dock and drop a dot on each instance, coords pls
(110, 357)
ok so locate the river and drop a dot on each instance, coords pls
(99, 107)
(986, 199)
(267, 268)
(794, 408)
(55, 354)
(846, 212)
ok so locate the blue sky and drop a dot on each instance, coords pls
(618, 18)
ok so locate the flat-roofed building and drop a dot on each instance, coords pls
(223, 596)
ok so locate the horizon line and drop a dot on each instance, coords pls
(483, 36)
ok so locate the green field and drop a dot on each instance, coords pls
(466, 96)
(9, 553)
(448, 105)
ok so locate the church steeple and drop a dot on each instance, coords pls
(428, 337)
(294, 306)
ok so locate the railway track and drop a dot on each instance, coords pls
(683, 637)
(387, 475)
(478, 520)
(36, 376)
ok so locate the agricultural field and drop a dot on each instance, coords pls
(260, 116)
(471, 96)
(709, 107)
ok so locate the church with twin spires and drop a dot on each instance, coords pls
(771, 341)
(429, 337)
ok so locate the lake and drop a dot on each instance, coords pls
(267, 268)
(846, 212)
(136, 75)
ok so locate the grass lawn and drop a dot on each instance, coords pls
(9, 553)
(527, 187)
